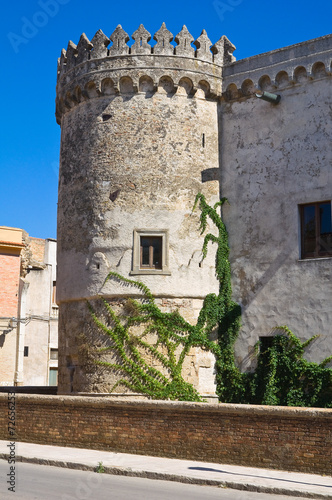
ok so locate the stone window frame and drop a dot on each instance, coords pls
(317, 254)
(136, 267)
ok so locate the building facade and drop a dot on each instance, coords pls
(11, 245)
(276, 172)
(28, 312)
(142, 132)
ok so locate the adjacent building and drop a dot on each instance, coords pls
(28, 312)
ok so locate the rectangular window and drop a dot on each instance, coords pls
(26, 351)
(53, 377)
(53, 353)
(150, 252)
(316, 230)
(265, 344)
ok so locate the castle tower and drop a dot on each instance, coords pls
(139, 140)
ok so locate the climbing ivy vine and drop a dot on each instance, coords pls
(282, 376)
(128, 332)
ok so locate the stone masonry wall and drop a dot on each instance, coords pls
(77, 351)
(296, 439)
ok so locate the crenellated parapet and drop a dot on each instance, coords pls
(279, 69)
(109, 66)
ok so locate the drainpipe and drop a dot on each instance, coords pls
(18, 377)
(267, 96)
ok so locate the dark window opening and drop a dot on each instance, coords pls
(316, 230)
(54, 292)
(53, 353)
(151, 252)
(265, 344)
(26, 351)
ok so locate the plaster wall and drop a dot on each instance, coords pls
(10, 247)
(37, 330)
(9, 279)
(41, 329)
(275, 158)
(37, 247)
(8, 354)
(80, 337)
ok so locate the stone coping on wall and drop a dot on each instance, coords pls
(309, 51)
(210, 398)
(278, 69)
(177, 406)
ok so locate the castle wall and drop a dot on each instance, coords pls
(150, 153)
(275, 158)
(150, 156)
(139, 141)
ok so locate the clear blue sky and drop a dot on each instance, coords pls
(32, 42)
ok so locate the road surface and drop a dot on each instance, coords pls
(42, 482)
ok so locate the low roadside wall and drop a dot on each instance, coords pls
(297, 439)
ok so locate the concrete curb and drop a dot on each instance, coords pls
(123, 471)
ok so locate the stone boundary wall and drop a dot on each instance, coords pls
(297, 439)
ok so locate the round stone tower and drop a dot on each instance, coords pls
(139, 140)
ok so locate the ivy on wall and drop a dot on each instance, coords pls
(282, 376)
(128, 332)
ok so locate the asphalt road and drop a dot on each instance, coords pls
(40, 482)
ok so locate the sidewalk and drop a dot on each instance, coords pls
(186, 471)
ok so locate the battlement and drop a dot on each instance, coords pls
(279, 69)
(220, 53)
(94, 68)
